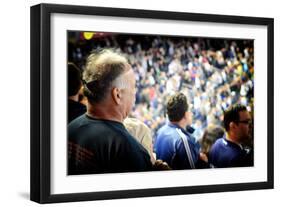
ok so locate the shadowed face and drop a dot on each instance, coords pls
(188, 117)
(243, 125)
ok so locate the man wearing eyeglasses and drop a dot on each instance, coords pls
(228, 151)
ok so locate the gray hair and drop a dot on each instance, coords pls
(104, 69)
(120, 82)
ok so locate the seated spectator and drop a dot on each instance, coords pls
(228, 151)
(75, 108)
(98, 142)
(174, 144)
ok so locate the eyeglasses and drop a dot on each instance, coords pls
(245, 122)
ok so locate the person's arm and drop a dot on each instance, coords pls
(137, 157)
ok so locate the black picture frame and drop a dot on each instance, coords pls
(40, 185)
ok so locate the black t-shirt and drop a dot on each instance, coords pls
(75, 109)
(103, 146)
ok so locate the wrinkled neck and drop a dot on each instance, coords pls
(105, 111)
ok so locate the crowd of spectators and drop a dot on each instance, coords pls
(213, 73)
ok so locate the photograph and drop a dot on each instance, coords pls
(188, 102)
(133, 103)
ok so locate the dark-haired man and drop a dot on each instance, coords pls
(228, 151)
(174, 144)
(98, 142)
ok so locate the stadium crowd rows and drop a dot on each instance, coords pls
(213, 73)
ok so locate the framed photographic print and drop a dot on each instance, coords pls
(214, 61)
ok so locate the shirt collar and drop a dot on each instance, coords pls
(231, 143)
(177, 126)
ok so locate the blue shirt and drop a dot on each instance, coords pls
(170, 147)
(225, 153)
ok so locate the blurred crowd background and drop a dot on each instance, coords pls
(213, 73)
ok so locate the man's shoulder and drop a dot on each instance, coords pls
(218, 145)
(222, 146)
(188, 137)
(77, 122)
(220, 141)
(98, 127)
(224, 143)
(166, 130)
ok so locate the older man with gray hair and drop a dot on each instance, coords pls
(98, 142)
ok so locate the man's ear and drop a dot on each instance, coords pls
(186, 115)
(116, 95)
